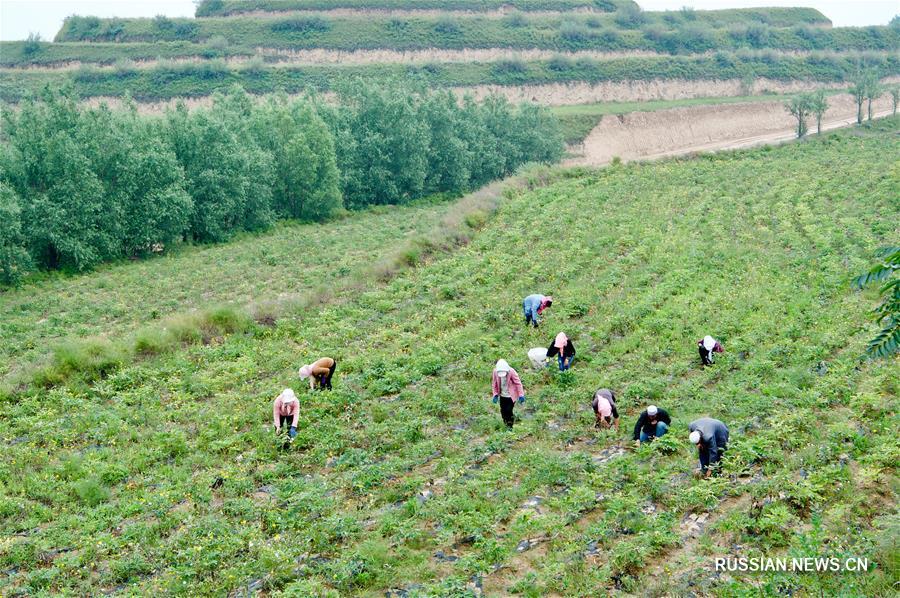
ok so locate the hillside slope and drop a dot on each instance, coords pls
(165, 477)
(280, 264)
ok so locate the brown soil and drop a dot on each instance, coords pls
(564, 94)
(648, 135)
(559, 94)
(314, 56)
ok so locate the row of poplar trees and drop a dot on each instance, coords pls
(80, 185)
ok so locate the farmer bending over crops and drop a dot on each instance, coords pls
(534, 306)
(707, 346)
(652, 423)
(286, 412)
(711, 437)
(505, 385)
(564, 350)
(319, 373)
(604, 406)
(538, 357)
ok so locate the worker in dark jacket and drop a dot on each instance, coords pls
(652, 423)
(711, 437)
(707, 346)
(564, 349)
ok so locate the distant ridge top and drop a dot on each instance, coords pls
(215, 8)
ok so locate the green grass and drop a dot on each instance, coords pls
(710, 30)
(226, 7)
(578, 120)
(278, 265)
(193, 80)
(110, 488)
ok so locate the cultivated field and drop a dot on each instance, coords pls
(279, 265)
(163, 476)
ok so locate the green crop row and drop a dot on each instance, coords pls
(211, 8)
(713, 30)
(201, 79)
(164, 477)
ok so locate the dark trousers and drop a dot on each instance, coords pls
(286, 421)
(325, 381)
(506, 411)
(705, 356)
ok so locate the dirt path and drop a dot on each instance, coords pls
(681, 131)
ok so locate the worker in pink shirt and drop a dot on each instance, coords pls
(507, 386)
(286, 410)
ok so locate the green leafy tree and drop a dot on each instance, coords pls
(307, 181)
(887, 315)
(68, 219)
(383, 145)
(538, 134)
(818, 106)
(449, 155)
(141, 175)
(858, 89)
(15, 260)
(895, 98)
(800, 107)
(873, 90)
(229, 181)
(486, 163)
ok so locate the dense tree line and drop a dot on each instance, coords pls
(79, 185)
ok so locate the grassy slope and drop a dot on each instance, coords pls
(13, 54)
(239, 6)
(558, 32)
(283, 262)
(756, 247)
(194, 80)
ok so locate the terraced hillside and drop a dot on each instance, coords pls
(164, 477)
(292, 46)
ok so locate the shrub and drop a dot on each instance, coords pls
(206, 8)
(448, 25)
(574, 32)
(227, 320)
(515, 19)
(314, 24)
(91, 492)
(509, 66)
(32, 44)
(185, 30)
(217, 43)
(559, 63)
(630, 16)
(163, 23)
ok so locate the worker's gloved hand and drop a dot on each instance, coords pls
(293, 431)
(522, 399)
(277, 431)
(496, 398)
